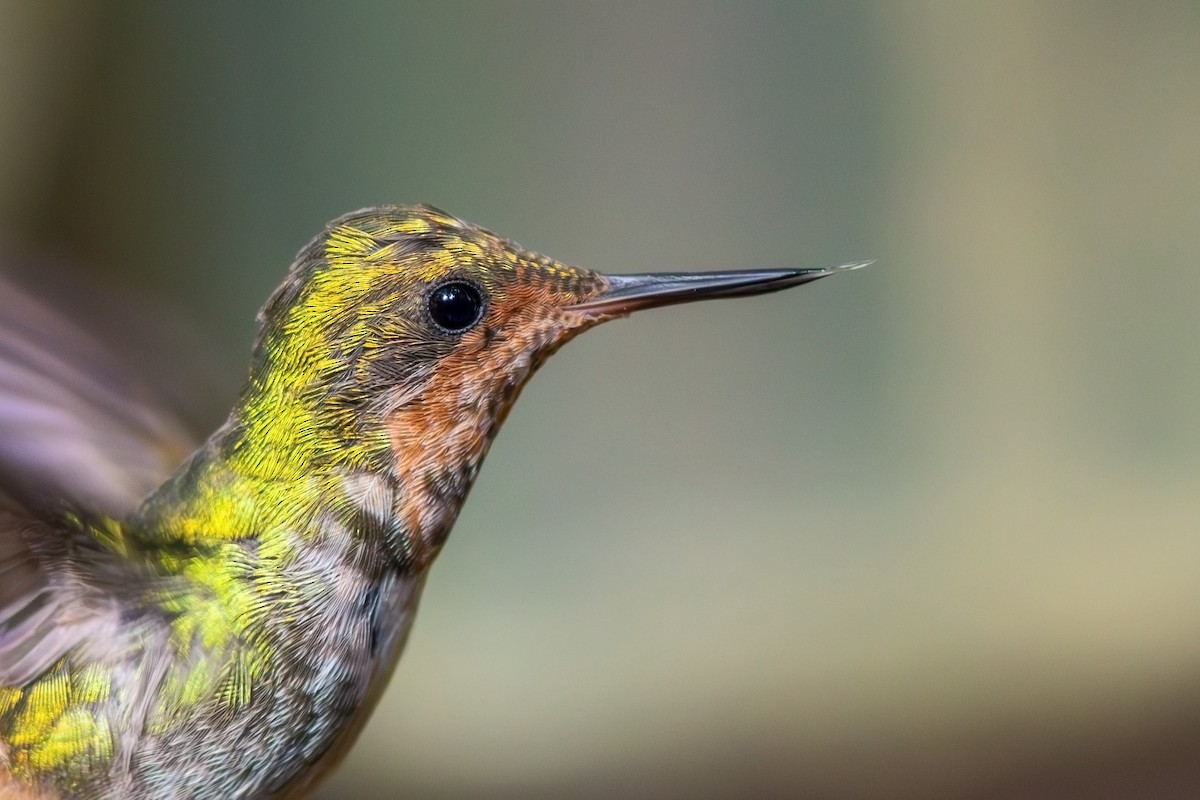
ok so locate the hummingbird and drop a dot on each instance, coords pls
(218, 621)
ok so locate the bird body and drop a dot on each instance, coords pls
(226, 635)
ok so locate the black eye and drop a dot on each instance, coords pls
(455, 306)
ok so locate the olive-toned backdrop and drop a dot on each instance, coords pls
(926, 530)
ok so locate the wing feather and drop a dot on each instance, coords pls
(75, 426)
(76, 431)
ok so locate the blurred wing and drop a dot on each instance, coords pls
(74, 426)
(75, 429)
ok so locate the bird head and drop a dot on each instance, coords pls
(403, 335)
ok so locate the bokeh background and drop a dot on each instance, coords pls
(926, 530)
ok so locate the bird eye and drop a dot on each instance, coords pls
(455, 306)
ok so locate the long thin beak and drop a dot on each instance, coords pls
(626, 293)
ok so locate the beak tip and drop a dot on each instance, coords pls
(853, 265)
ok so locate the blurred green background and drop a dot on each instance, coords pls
(927, 530)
